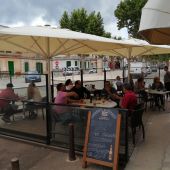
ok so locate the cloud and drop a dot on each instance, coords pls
(41, 12)
(112, 28)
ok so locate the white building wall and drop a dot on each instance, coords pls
(63, 63)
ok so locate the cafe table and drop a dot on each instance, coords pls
(96, 103)
(158, 92)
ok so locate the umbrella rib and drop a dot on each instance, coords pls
(39, 46)
(84, 45)
(162, 32)
(69, 49)
(57, 49)
(118, 53)
(147, 51)
(20, 46)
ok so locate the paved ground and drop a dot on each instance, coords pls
(151, 154)
(32, 157)
(154, 152)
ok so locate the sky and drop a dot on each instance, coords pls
(42, 12)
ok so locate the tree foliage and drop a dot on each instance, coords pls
(79, 20)
(128, 14)
(65, 21)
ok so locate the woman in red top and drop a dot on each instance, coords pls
(129, 100)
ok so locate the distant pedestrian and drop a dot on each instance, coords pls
(167, 80)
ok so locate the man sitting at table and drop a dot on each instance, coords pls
(7, 96)
(81, 91)
(129, 100)
(110, 92)
(62, 113)
(158, 85)
(62, 96)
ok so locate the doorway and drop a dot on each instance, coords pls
(26, 67)
(39, 67)
(11, 67)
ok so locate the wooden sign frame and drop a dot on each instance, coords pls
(86, 159)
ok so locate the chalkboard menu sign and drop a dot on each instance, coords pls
(102, 137)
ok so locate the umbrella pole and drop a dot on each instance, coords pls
(48, 69)
(129, 56)
(49, 80)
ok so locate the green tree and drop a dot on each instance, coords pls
(79, 20)
(95, 24)
(128, 14)
(65, 21)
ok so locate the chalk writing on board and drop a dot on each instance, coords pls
(102, 134)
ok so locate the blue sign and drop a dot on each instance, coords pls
(102, 134)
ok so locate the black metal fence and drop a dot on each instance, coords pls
(52, 130)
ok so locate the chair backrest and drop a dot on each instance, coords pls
(136, 117)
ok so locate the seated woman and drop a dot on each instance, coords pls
(34, 95)
(111, 93)
(68, 85)
(119, 84)
(129, 100)
(139, 85)
(140, 88)
(158, 85)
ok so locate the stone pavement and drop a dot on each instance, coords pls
(33, 157)
(151, 154)
(154, 152)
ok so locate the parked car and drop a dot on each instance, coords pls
(154, 68)
(67, 72)
(74, 69)
(32, 76)
(106, 68)
(93, 70)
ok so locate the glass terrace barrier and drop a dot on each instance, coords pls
(22, 124)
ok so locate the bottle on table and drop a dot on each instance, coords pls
(110, 153)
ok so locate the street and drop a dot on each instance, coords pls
(96, 78)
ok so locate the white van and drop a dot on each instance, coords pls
(136, 69)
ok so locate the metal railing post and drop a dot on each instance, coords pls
(15, 164)
(48, 115)
(52, 86)
(126, 139)
(81, 74)
(104, 77)
(72, 156)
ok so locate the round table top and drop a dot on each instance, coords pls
(97, 103)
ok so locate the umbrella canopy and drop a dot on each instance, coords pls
(154, 24)
(139, 48)
(48, 42)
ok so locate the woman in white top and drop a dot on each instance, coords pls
(34, 93)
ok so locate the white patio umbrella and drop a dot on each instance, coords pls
(48, 42)
(139, 48)
(155, 22)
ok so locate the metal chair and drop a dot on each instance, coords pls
(136, 121)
